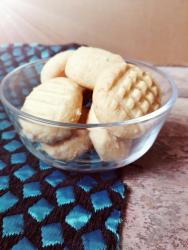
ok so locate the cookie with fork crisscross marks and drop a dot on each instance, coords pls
(124, 92)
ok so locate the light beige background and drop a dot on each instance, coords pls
(152, 30)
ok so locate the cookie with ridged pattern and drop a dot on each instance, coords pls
(60, 100)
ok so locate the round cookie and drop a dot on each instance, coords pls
(106, 144)
(55, 66)
(60, 100)
(86, 63)
(71, 148)
(125, 92)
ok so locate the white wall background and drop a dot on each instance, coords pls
(151, 30)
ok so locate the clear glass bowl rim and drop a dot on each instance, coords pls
(164, 108)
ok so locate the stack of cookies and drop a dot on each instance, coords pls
(120, 92)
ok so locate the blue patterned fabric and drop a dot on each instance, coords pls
(101, 200)
(24, 172)
(45, 208)
(87, 183)
(52, 235)
(55, 178)
(119, 188)
(77, 217)
(31, 189)
(23, 244)
(2, 165)
(12, 146)
(113, 221)
(13, 225)
(7, 201)
(65, 195)
(18, 158)
(40, 210)
(93, 241)
(4, 182)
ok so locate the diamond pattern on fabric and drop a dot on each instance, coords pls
(51, 235)
(2, 165)
(4, 124)
(4, 182)
(119, 188)
(24, 173)
(65, 195)
(55, 178)
(43, 165)
(31, 189)
(87, 183)
(18, 158)
(6, 56)
(101, 200)
(78, 217)
(40, 210)
(13, 145)
(13, 225)
(93, 241)
(43, 208)
(7, 201)
(8, 135)
(45, 54)
(24, 244)
(113, 222)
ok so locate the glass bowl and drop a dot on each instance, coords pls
(111, 152)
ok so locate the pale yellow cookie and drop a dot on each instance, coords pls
(128, 131)
(125, 92)
(55, 66)
(60, 100)
(71, 148)
(107, 145)
(86, 64)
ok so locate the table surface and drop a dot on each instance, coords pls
(157, 208)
